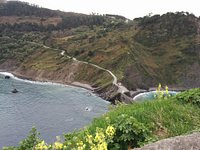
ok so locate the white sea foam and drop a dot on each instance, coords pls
(138, 95)
(34, 82)
(88, 92)
(7, 74)
(154, 92)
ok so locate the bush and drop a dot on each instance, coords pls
(190, 96)
(91, 53)
(130, 132)
(28, 143)
(125, 132)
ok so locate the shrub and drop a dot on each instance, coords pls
(97, 140)
(129, 132)
(91, 53)
(28, 143)
(190, 96)
(125, 132)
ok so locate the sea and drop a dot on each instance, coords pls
(149, 96)
(52, 108)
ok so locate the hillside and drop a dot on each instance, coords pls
(141, 52)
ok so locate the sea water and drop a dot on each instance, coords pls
(53, 109)
(146, 96)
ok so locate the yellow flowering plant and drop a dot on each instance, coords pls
(80, 145)
(41, 146)
(58, 145)
(110, 131)
(161, 93)
(100, 140)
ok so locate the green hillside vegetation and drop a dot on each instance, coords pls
(22, 16)
(129, 126)
(141, 52)
(123, 50)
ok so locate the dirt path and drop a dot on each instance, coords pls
(121, 88)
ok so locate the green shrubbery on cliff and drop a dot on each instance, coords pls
(140, 52)
(191, 96)
(129, 125)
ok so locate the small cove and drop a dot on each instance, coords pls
(147, 96)
(53, 109)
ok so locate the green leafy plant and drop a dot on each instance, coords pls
(128, 126)
(129, 132)
(190, 96)
(28, 143)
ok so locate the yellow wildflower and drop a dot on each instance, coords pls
(102, 146)
(110, 131)
(89, 139)
(81, 145)
(41, 146)
(58, 145)
(100, 137)
(159, 87)
(93, 147)
(162, 93)
(167, 91)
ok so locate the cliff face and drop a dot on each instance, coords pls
(141, 53)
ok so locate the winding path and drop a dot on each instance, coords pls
(121, 88)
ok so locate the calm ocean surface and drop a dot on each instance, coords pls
(52, 109)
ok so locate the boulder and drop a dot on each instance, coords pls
(186, 142)
(7, 77)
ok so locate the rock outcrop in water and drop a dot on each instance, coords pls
(15, 91)
(7, 77)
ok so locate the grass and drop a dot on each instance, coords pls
(93, 75)
(158, 119)
(167, 116)
(136, 124)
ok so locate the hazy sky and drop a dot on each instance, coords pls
(127, 8)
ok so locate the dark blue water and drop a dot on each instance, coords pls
(52, 109)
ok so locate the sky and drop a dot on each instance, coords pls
(128, 8)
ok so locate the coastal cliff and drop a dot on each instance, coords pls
(65, 47)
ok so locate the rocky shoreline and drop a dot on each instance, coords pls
(75, 84)
(110, 94)
(103, 93)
